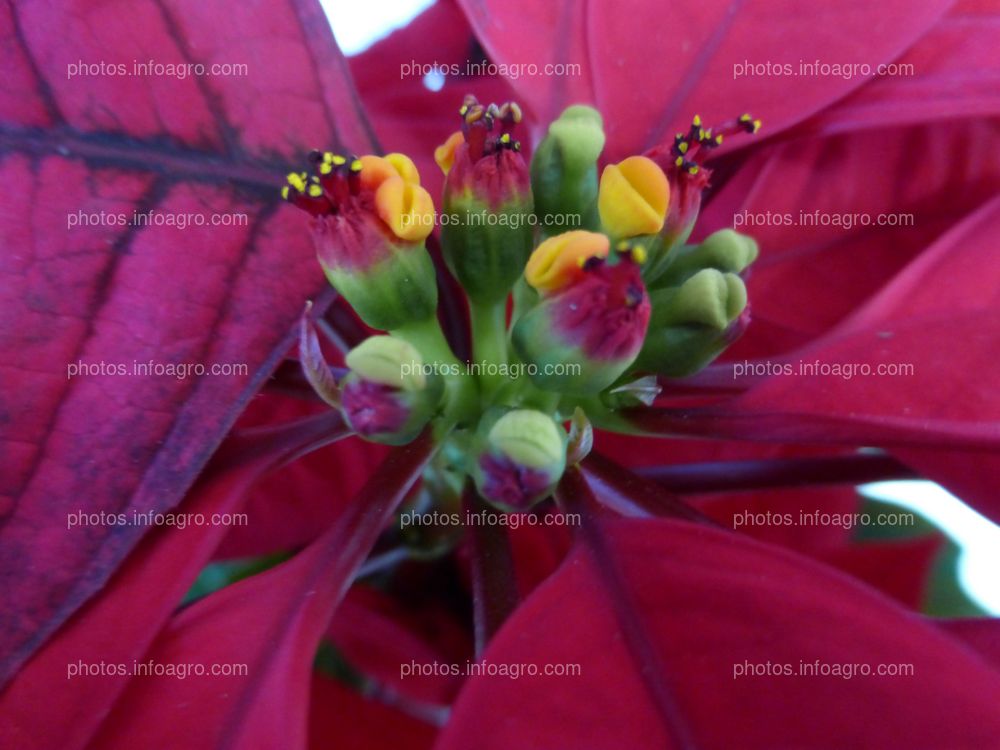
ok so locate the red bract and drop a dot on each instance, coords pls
(664, 665)
(714, 58)
(116, 294)
(657, 613)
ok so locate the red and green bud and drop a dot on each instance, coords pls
(592, 315)
(369, 221)
(519, 457)
(487, 210)
(564, 170)
(388, 396)
(682, 162)
(693, 323)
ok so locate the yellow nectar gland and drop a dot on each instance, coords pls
(633, 197)
(556, 263)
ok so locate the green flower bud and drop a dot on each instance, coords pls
(693, 323)
(388, 396)
(726, 250)
(397, 289)
(388, 361)
(520, 456)
(564, 169)
(709, 298)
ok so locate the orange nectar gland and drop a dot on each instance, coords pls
(341, 185)
(633, 197)
(559, 261)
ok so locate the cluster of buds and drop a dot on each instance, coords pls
(610, 306)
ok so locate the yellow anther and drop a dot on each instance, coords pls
(745, 117)
(325, 168)
(505, 138)
(515, 111)
(718, 139)
(701, 134)
(338, 159)
(639, 254)
(297, 181)
(682, 147)
(679, 161)
(696, 121)
(463, 109)
(315, 191)
(557, 262)
(693, 169)
(357, 165)
(327, 157)
(284, 193)
(622, 246)
(756, 125)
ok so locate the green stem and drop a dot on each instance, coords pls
(460, 390)
(524, 299)
(489, 342)
(535, 398)
(601, 416)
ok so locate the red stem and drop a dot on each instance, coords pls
(737, 476)
(574, 493)
(629, 494)
(494, 589)
(452, 312)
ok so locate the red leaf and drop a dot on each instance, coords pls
(822, 523)
(900, 569)
(953, 73)
(207, 294)
(747, 513)
(376, 638)
(339, 717)
(271, 622)
(651, 66)
(982, 634)
(288, 508)
(118, 625)
(709, 603)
